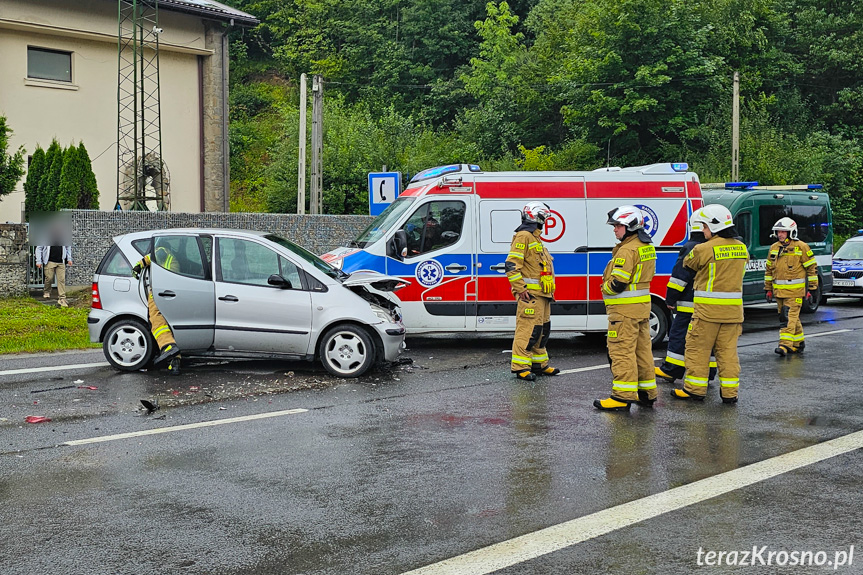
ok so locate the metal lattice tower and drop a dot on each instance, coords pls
(142, 178)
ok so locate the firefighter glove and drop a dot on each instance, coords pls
(547, 283)
(809, 297)
(136, 271)
(769, 296)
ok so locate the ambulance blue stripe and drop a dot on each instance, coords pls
(664, 262)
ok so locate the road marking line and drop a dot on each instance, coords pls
(592, 367)
(557, 537)
(827, 333)
(53, 368)
(183, 427)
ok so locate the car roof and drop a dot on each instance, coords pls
(220, 231)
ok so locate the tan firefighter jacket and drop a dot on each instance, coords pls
(790, 268)
(626, 279)
(528, 263)
(718, 265)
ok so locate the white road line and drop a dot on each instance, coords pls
(183, 427)
(557, 537)
(809, 336)
(53, 368)
(593, 367)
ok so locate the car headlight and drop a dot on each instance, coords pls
(382, 313)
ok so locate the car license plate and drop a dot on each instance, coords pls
(843, 283)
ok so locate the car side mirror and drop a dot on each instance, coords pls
(278, 281)
(398, 245)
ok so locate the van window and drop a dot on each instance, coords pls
(743, 223)
(812, 224)
(433, 226)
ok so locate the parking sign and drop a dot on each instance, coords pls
(383, 190)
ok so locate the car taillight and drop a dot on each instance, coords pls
(97, 302)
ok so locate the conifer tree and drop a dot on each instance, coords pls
(89, 196)
(50, 180)
(34, 174)
(70, 180)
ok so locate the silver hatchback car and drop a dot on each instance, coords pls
(243, 294)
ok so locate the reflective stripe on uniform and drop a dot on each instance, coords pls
(637, 277)
(516, 255)
(647, 384)
(729, 381)
(539, 358)
(676, 284)
(696, 381)
(521, 359)
(621, 274)
(712, 361)
(624, 385)
(789, 283)
(160, 330)
(811, 262)
(631, 296)
(768, 278)
(719, 297)
(531, 282)
(674, 358)
(515, 277)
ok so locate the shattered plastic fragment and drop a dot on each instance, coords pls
(91, 387)
(36, 419)
(78, 381)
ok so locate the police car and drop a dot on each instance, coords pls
(848, 268)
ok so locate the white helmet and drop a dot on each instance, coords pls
(714, 216)
(535, 212)
(785, 225)
(628, 216)
(695, 224)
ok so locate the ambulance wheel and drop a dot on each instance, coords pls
(128, 345)
(347, 351)
(816, 301)
(658, 323)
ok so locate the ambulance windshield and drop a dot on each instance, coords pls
(383, 223)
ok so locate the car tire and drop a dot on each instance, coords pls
(128, 345)
(816, 301)
(347, 351)
(658, 323)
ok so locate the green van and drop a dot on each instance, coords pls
(756, 208)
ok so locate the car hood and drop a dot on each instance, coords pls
(376, 280)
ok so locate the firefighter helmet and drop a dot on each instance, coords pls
(715, 217)
(628, 216)
(535, 212)
(785, 225)
(695, 225)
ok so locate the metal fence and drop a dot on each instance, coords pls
(35, 276)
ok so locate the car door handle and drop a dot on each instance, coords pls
(229, 298)
(498, 267)
(167, 294)
(455, 268)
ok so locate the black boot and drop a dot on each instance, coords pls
(174, 366)
(168, 352)
(782, 350)
(643, 400)
(525, 375)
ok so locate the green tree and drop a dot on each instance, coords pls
(34, 174)
(70, 178)
(50, 180)
(88, 195)
(11, 165)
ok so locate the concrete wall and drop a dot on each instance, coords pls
(13, 260)
(92, 231)
(86, 109)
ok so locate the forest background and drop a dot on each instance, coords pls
(549, 85)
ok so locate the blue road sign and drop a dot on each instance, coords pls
(383, 190)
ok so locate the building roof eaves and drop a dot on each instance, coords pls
(211, 9)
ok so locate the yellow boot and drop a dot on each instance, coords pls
(681, 394)
(610, 404)
(663, 375)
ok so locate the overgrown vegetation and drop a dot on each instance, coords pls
(29, 326)
(60, 179)
(549, 84)
(11, 165)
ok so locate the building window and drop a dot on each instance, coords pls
(49, 64)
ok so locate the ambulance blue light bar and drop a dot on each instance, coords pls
(815, 186)
(434, 172)
(680, 166)
(732, 185)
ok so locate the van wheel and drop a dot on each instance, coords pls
(658, 324)
(347, 351)
(128, 345)
(816, 301)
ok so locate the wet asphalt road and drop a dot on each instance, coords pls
(416, 464)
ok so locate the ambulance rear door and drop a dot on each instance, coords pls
(501, 199)
(439, 261)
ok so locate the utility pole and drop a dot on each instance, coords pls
(735, 130)
(315, 204)
(301, 170)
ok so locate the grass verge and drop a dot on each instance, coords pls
(28, 325)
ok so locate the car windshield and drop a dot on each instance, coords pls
(383, 223)
(308, 256)
(850, 251)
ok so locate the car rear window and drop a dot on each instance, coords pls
(115, 264)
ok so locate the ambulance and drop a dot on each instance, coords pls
(449, 234)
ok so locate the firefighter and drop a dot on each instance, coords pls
(168, 348)
(717, 267)
(531, 279)
(679, 299)
(626, 291)
(791, 267)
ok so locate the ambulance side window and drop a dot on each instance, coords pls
(433, 226)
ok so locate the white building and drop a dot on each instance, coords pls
(59, 64)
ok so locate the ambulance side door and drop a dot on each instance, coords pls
(439, 261)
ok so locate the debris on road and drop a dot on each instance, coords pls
(78, 381)
(150, 406)
(90, 387)
(53, 389)
(37, 419)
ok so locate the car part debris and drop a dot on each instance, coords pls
(37, 419)
(53, 389)
(150, 406)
